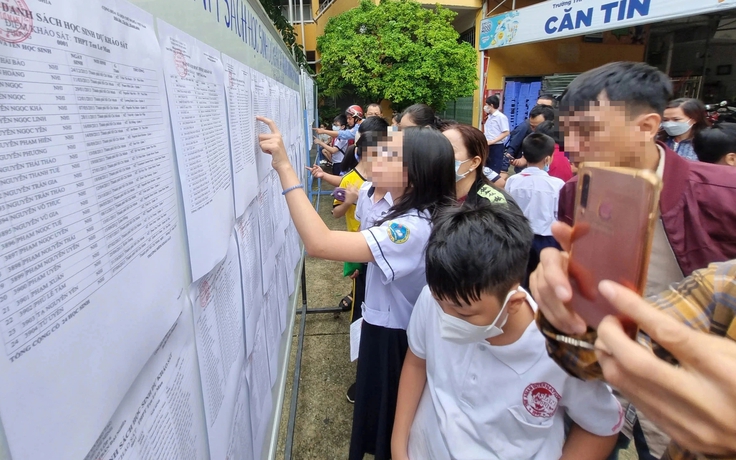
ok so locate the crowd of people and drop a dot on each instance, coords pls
(458, 242)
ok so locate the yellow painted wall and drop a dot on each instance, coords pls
(554, 56)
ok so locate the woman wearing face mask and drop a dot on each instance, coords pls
(472, 182)
(683, 119)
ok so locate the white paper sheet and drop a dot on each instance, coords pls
(196, 88)
(259, 382)
(250, 262)
(271, 329)
(161, 416)
(260, 92)
(241, 436)
(355, 329)
(241, 123)
(267, 232)
(90, 248)
(218, 318)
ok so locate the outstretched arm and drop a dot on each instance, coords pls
(319, 241)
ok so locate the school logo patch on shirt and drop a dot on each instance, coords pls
(541, 399)
(397, 233)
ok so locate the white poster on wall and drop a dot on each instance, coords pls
(91, 268)
(196, 88)
(161, 417)
(241, 124)
(217, 303)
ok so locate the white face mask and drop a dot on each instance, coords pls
(459, 177)
(676, 128)
(461, 331)
(487, 108)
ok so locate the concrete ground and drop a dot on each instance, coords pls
(324, 417)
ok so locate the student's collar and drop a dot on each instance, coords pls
(386, 197)
(660, 165)
(533, 170)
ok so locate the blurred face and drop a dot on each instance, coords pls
(406, 122)
(605, 132)
(386, 162)
(536, 121)
(545, 101)
(351, 122)
(373, 111)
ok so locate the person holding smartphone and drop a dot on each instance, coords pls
(612, 114)
(686, 386)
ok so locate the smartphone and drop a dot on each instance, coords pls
(339, 194)
(615, 217)
(509, 156)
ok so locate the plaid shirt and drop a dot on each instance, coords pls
(705, 301)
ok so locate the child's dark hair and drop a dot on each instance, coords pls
(429, 161)
(421, 115)
(341, 120)
(349, 161)
(477, 248)
(493, 101)
(537, 147)
(712, 144)
(639, 86)
(372, 130)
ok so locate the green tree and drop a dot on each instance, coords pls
(396, 50)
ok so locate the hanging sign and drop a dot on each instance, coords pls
(555, 19)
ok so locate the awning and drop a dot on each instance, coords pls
(555, 19)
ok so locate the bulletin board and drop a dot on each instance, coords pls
(149, 269)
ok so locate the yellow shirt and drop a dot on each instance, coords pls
(353, 178)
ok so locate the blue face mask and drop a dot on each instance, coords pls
(459, 177)
(546, 168)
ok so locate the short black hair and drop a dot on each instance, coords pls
(493, 101)
(545, 110)
(372, 130)
(477, 248)
(537, 147)
(639, 86)
(712, 144)
(341, 120)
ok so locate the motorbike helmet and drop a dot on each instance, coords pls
(354, 111)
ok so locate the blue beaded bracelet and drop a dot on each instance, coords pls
(291, 188)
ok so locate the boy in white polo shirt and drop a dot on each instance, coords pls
(537, 194)
(491, 390)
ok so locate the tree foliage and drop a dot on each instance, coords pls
(397, 50)
(273, 9)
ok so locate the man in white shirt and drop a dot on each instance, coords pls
(537, 194)
(496, 130)
(491, 390)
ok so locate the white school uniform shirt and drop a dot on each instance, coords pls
(368, 212)
(538, 195)
(341, 144)
(498, 402)
(395, 279)
(496, 123)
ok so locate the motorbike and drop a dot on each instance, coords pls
(723, 112)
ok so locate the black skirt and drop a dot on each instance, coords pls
(382, 353)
